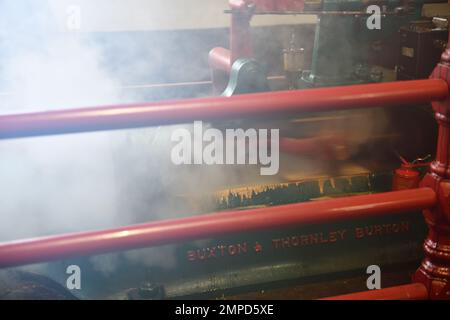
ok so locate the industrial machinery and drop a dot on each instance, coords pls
(421, 45)
(311, 233)
(345, 51)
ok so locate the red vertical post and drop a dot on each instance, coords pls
(221, 60)
(240, 33)
(434, 272)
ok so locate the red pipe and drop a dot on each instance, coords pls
(213, 225)
(220, 64)
(220, 59)
(218, 108)
(415, 291)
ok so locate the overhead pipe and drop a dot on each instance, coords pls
(218, 108)
(212, 225)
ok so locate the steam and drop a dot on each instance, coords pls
(71, 183)
(48, 184)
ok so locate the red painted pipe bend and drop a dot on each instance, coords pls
(220, 59)
(218, 108)
(205, 226)
(415, 291)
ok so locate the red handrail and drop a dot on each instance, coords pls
(201, 227)
(415, 291)
(218, 108)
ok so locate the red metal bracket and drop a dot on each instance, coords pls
(242, 11)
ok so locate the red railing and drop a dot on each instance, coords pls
(262, 104)
(415, 291)
(203, 227)
(270, 104)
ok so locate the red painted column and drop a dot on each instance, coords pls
(220, 64)
(434, 272)
(240, 32)
(221, 60)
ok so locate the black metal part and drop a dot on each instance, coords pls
(421, 46)
(247, 76)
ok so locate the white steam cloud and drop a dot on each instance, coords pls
(70, 183)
